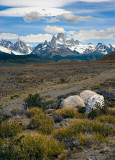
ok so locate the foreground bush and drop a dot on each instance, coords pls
(9, 128)
(31, 146)
(80, 126)
(106, 119)
(42, 123)
(111, 111)
(34, 112)
(98, 111)
(69, 113)
(35, 101)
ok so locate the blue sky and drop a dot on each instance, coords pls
(34, 21)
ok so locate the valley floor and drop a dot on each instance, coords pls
(57, 79)
(51, 80)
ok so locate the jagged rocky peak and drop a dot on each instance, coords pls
(61, 37)
(101, 46)
(53, 42)
(6, 43)
(46, 42)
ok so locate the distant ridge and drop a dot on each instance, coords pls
(109, 56)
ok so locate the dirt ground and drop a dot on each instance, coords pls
(50, 80)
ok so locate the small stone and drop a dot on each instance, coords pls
(49, 111)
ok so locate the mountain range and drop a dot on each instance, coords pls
(59, 47)
(18, 48)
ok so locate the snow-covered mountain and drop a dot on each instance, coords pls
(61, 46)
(18, 48)
(58, 46)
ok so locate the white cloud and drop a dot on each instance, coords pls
(81, 35)
(71, 32)
(54, 29)
(44, 7)
(28, 38)
(93, 34)
(36, 38)
(33, 16)
(21, 12)
(43, 3)
(72, 18)
(8, 36)
(52, 20)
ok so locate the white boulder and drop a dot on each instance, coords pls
(72, 101)
(94, 101)
(86, 94)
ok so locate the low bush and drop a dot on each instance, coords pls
(35, 101)
(99, 138)
(85, 139)
(5, 115)
(63, 80)
(111, 111)
(8, 151)
(69, 113)
(15, 96)
(34, 112)
(15, 111)
(31, 146)
(42, 123)
(98, 111)
(106, 119)
(9, 128)
(80, 126)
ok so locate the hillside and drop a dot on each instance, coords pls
(21, 59)
(110, 56)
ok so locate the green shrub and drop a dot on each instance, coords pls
(111, 111)
(63, 80)
(34, 112)
(39, 147)
(98, 111)
(35, 101)
(85, 139)
(93, 114)
(15, 96)
(99, 138)
(106, 119)
(42, 123)
(30, 146)
(68, 113)
(80, 126)
(9, 148)
(9, 128)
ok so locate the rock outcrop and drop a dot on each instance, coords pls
(73, 101)
(86, 94)
(94, 101)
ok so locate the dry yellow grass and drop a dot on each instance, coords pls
(69, 113)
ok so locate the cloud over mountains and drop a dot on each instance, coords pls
(82, 35)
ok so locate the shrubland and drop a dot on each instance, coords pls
(45, 136)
